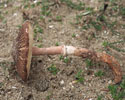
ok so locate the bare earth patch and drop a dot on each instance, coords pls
(58, 22)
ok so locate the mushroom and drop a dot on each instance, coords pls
(23, 51)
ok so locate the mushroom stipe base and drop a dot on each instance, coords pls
(23, 51)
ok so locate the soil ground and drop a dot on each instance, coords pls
(93, 25)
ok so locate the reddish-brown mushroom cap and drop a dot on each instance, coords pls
(23, 50)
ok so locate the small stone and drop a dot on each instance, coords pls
(51, 26)
(62, 82)
(86, 68)
(35, 1)
(90, 85)
(105, 32)
(64, 88)
(13, 87)
(72, 86)
(110, 81)
(5, 5)
(15, 14)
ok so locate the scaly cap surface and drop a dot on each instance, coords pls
(23, 50)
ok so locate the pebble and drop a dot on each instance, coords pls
(15, 14)
(64, 88)
(110, 81)
(13, 87)
(62, 82)
(90, 85)
(86, 68)
(72, 86)
(5, 5)
(71, 83)
(35, 1)
(51, 26)
(105, 32)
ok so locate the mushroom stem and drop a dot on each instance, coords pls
(82, 52)
(47, 51)
(65, 50)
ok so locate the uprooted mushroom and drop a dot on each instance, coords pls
(23, 51)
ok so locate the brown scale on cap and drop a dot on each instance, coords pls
(23, 50)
